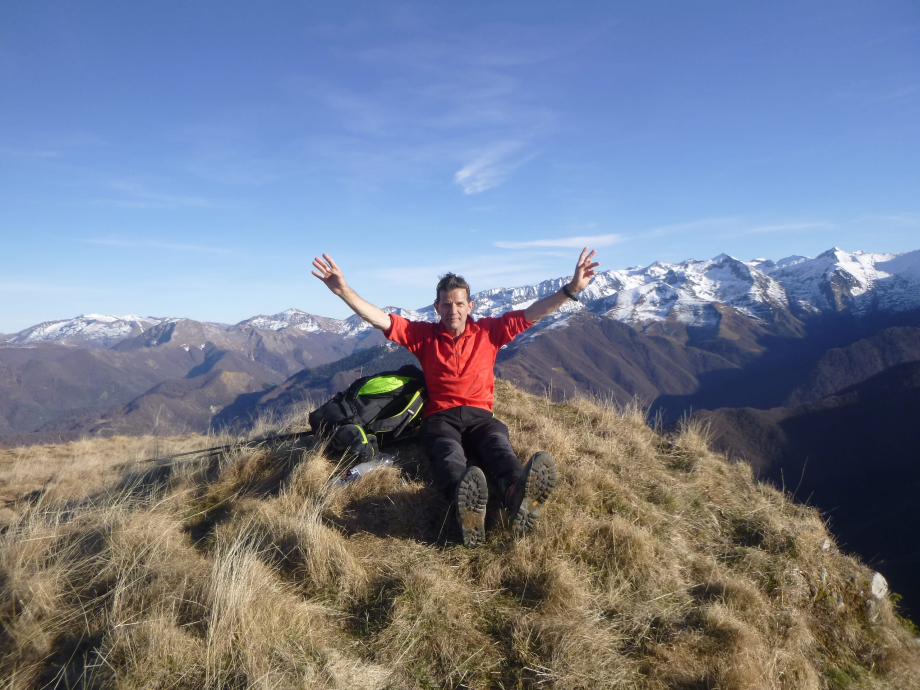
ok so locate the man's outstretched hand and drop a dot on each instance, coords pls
(584, 271)
(330, 274)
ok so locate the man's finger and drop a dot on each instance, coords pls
(320, 264)
(582, 256)
(586, 259)
(331, 262)
(318, 275)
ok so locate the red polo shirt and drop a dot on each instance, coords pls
(457, 372)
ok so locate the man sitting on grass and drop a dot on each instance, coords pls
(457, 357)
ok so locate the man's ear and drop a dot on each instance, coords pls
(472, 305)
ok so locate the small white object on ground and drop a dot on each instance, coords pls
(879, 586)
(382, 460)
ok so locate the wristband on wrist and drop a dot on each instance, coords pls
(565, 289)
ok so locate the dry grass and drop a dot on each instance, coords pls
(657, 565)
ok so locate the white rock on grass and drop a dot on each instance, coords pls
(879, 586)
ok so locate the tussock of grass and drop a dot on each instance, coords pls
(657, 564)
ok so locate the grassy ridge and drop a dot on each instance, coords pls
(657, 565)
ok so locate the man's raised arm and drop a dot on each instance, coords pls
(331, 275)
(584, 272)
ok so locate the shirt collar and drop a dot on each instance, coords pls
(470, 328)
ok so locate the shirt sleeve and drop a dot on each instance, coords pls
(503, 329)
(409, 334)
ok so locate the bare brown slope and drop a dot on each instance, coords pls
(310, 387)
(738, 363)
(49, 389)
(45, 383)
(597, 355)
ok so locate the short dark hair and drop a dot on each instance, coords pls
(448, 282)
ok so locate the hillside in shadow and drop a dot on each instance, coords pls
(855, 456)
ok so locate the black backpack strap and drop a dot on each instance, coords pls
(348, 410)
(414, 408)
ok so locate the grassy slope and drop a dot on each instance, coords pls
(657, 565)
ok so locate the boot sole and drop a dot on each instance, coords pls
(540, 482)
(472, 496)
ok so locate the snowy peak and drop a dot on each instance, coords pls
(295, 320)
(500, 300)
(688, 292)
(95, 330)
(906, 265)
(832, 281)
(679, 291)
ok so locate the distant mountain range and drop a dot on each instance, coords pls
(664, 333)
(60, 380)
(688, 293)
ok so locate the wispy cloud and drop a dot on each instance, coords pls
(40, 288)
(154, 244)
(900, 92)
(903, 219)
(482, 272)
(461, 98)
(785, 227)
(693, 226)
(234, 166)
(732, 226)
(896, 34)
(136, 194)
(54, 145)
(867, 94)
(565, 242)
(490, 167)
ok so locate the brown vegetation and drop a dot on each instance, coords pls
(657, 565)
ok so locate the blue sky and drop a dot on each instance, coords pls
(190, 158)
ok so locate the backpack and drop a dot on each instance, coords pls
(371, 411)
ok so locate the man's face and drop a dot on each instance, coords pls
(453, 307)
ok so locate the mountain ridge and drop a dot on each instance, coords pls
(833, 281)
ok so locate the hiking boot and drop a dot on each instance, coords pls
(526, 496)
(471, 499)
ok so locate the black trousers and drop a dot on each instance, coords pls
(447, 435)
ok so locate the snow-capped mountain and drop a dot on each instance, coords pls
(835, 280)
(296, 320)
(686, 292)
(96, 329)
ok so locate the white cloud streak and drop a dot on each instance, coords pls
(459, 98)
(153, 244)
(566, 242)
(694, 225)
(491, 167)
(482, 272)
(37, 288)
(140, 195)
(902, 219)
(786, 227)
(731, 226)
